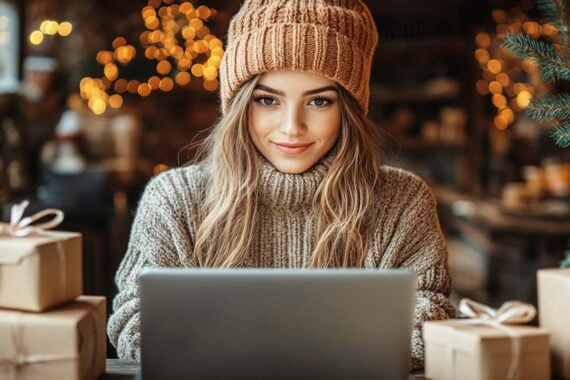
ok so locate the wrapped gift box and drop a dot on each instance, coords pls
(67, 342)
(456, 350)
(40, 271)
(553, 314)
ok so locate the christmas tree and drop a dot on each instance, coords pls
(555, 66)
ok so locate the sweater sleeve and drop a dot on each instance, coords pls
(418, 243)
(151, 244)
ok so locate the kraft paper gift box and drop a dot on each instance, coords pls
(67, 342)
(553, 314)
(456, 350)
(40, 271)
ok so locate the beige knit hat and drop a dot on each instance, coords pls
(333, 38)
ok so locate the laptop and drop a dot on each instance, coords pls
(276, 323)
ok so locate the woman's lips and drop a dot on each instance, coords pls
(296, 149)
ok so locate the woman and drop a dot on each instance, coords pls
(291, 175)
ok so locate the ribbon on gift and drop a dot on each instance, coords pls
(20, 226)
(20, 359)
(510, 313)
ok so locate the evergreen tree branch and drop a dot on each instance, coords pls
(554, 11)
(549, 107)
(561, 134)
(554, 66)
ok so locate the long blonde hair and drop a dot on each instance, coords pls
(342, 203)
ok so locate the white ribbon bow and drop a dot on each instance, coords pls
(20, 226)
(510, 313)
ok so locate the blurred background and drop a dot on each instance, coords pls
(96, 97)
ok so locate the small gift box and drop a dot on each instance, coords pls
(67, 342)
(39, 269)
(554, 309)
(486, 347)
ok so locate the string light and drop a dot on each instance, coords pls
(182, 78)
(523, 99)
(211, 85)
(116, 101)
(176, 37)
(500, 122)
(153, 82)
(121, 85)
(144, 90)
(159, 168)
(133, 86)
(166, 84)
(50, 28)
(36, 37)
(498, 68)
(198, 70)
(495, 87)
(64, 29)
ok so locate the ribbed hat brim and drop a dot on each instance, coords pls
(305, 47)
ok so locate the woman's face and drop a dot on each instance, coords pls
(294, 119)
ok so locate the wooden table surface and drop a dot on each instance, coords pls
(118, 369)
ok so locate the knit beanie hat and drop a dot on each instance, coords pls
(333, 38)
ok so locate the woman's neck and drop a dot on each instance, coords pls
(286, 190)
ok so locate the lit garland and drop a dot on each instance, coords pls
(176, 63)
(500, 68)
(50, 28)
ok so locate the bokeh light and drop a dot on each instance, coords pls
(175, 36)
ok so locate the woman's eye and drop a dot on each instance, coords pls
(320, 102)
(265, 101)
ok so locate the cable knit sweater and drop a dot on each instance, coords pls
(406, 233)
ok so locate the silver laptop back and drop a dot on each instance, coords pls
(276, 324)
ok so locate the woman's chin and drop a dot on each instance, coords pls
(292, 166)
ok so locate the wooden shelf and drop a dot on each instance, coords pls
(485, 213)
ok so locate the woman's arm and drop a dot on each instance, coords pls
(429, 259)
(432, 303)
(157, 239)
(417, 242)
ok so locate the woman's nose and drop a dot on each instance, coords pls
(293, 122)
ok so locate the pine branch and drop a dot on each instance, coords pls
(553, 11)
(554, 65)
(561, 136)
(548, 107)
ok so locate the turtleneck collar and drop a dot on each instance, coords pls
(286, 190)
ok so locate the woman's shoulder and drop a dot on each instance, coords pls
(180, 183)
(401, 185)
(187, 174)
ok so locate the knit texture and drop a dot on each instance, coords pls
(406, 233)
(333, 38)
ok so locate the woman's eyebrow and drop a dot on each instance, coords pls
(310, 92)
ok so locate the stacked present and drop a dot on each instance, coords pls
(491, 344)
(48, 330)
(554, 307)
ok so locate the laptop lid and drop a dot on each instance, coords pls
(276, 323)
